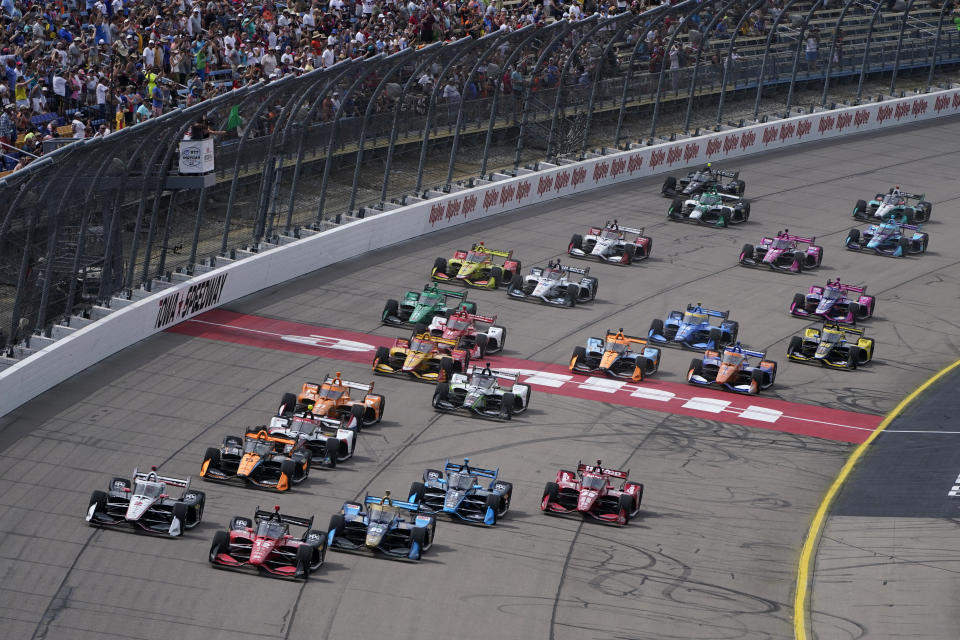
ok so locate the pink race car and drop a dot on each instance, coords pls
(785, 252)
(836, 302)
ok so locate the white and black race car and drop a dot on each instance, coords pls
(710, 207)
(330, 441)
(611, 244)
(554, 285)
(145, 504)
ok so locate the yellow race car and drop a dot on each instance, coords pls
(423, 357)
(476, 268)
(832, 345)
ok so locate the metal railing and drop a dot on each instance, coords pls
(110, 218)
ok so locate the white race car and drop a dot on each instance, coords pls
(711, 207)
(145, 504)
(610, 244)
(553, 285)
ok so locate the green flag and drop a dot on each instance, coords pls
(233, 120)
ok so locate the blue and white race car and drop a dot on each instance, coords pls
(693, 329)
(889, 238)
(393, 527)
(470, 493)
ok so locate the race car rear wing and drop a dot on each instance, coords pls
(696, 308)
(912, 227)
(727, 174)
(846, 287)
(432, 288)
(401, 504)
(846, 328)
(476, 318)
(747, 352)
(500, 373)
(538, 271)
(260, 514)
(783, 235)
(478, 246)
(598, 468)
(153, 476)
(427, 336)
(466, 468)
(620, 335)
(337, 380)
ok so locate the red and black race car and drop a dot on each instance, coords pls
(265, 544)
(590, 492)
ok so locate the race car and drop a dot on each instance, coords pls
(889, 238)
(475, 268)
(611, 244)
(702, 180)
(783, 253)
(329, 441)
(472, 494)
(266, 545)
(907, 207)
(615, 356)
(834, 302)
(478, 392)
(832, 345)
(731, 370)
(554, 285)
(692, 328)
(423, 306)
(393, 527)
(145, 505)
(460, 328)
(422, 358)
(332, 400)
(591, 492)
(261, 459)
(710, 207)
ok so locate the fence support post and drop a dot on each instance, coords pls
(896, 61)
(936, 45)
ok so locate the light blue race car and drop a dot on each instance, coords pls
(892, 237)
(693, 328)
(472, 494)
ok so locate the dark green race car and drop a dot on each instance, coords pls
(421, 306)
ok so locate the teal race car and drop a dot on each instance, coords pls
(420, 307)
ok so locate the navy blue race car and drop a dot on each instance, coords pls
(463, 491)
(693, 329)
(394, 528)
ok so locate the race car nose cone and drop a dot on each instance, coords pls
(452, 501)
(374, 538)
(586, 500)
(137, 508)
(261, 549)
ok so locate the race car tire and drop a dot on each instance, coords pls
(576, 242)
(420, 327)
(317, 540)
(853, 357)
(696, 367)
(507, 403)
(439, 266)
(98, 498)
(337, 525)
(551, 491)
(417, 489)
(506, 491)
(773, 373)
(304, 561)
(629, 252)
(516, 283)
(856, 311)
(212, 456)
(852, 238)
(741, 187)
(656, 328)
(669, 186)
(287, 468)
(383, 407)
(391, 309)
(639, 495)
(715, 336)
(904, 244)
(221, 544)
(759, 377)
(495, 278)
(734, 328)
(441, 394)
(746, 252)
(358, 411)
(815, 262)
(795, 346)
(503, 340)
(447, 368)
(799, 302)
(579, 353)
(746, 210)
(573, 292)
(860, 209)
(197, 500)
(924, 241)
(119, 484)
(420, 536)
(676, 208)
(481, 342)
(494, 502)
(240, 522)
(180, 511)
(333, 454)
(382, 356)
(927, 209)
(288, 404)
(593, 289)
(625, 506)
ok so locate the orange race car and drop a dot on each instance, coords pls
(332, 400)
(262, 459)
(615, 356)
(423, 357)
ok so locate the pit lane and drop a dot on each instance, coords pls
(726, 505)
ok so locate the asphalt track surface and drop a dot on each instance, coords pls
(713, 551)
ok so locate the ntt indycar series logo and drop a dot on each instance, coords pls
(202, 295)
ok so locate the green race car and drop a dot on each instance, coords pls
(420, 307)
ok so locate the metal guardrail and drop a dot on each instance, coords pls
(109, 217)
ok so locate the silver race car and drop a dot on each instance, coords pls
(470, 493)
(329, 440)
(145, 504)
(478, 392)
(554, 285)
(611, 244)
